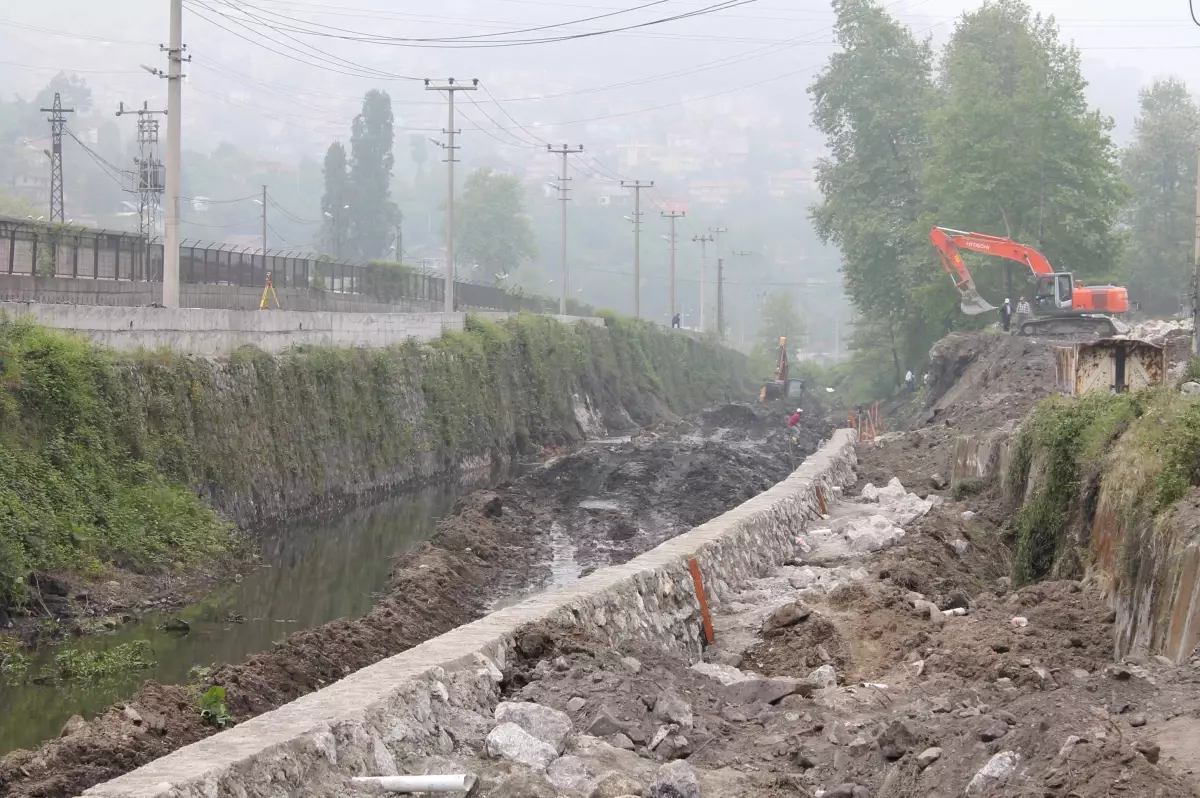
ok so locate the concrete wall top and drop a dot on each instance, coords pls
(219, 332)
(325, 734)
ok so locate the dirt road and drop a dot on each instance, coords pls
(600, 505)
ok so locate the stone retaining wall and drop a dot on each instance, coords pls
(407, 703)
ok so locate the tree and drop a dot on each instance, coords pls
(780, 319)
(334, 199)
(418, 151)
(1016, 151)
(72, 89)
(491, 227)
(870, 103)
(1160, 167)
(372, 212)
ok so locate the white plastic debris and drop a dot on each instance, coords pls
(955, 611)
(1019, 622)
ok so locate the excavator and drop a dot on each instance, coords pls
(1061, 304)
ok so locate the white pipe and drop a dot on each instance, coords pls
(462, 782)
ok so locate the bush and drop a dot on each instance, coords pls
(74, 494)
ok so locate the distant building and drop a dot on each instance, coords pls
(789, 183)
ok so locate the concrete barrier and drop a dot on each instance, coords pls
(207, 332)
(405, 704)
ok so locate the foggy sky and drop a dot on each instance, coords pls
(1124, 44)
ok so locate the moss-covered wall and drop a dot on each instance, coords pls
(93, 441)
(1107, 485)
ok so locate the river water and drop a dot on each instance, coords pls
(311, 572)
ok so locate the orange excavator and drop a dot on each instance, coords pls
(1061, 304)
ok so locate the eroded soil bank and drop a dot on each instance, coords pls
(600, 505)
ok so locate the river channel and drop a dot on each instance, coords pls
(311, 572)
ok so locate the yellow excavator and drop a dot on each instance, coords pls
(780, 387)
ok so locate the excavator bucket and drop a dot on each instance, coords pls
(972, 303)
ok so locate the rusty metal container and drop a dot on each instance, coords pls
(1111, 364)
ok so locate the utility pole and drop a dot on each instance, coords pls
(149, 176)
(704, 241)
(450, 87)
(721, 292)
(57, 123)
(175, 50)
(264, 226)
(637, 186)
(673, 215)
(399, 236)
(564, 151)
(1196, 268)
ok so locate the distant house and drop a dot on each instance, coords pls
(31, 171)
(789, 183)
(716, 192)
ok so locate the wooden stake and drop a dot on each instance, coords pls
(698, 581)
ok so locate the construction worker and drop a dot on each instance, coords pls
(1005, 315)
(794, 423)
(910, 381)
(1024, 311)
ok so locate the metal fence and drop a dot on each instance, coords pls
(36, 249)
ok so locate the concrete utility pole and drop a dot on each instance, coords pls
(564, 151)
(1196, 268)
(637, 186)
(704, 241)
(721, 293)
(57, 123)
(175, 50)
(450, 87)
(264, 225)
(673, 215)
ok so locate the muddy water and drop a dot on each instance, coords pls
(311, 573)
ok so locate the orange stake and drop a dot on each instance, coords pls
(698, 580)
(821, 500)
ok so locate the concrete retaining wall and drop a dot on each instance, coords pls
(406, 704)
(220, 332)
(139, 293)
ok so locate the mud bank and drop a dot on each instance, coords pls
(126, 466)
(601, 505)
(408, 703)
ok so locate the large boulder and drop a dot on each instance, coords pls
(510, 742)
(545, 723)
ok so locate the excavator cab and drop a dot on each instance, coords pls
(1054, 293)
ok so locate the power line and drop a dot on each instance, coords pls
(289, 56)
(614, 13)
(289, 214)
(328, 31)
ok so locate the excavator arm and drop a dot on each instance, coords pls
(947, 243)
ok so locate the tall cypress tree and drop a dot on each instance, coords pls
(372, 212)
(335, 216)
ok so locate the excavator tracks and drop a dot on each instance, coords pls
(1069, 325)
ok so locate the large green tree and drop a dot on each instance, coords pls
(372, 213)
(1160, 167)
(334, 199)
(870, 103)
(1016, 151)
(491, 228)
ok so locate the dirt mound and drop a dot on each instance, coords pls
(980, 380)
(598, 506)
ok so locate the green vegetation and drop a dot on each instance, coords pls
(983, 144)
(212, 708)
(1141, 451)
(78, 486)
(71, 664)
(13, 662)
(107, 459)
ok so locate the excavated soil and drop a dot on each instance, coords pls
(601, 505)
(929, 700)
